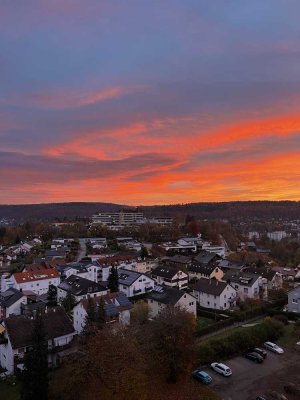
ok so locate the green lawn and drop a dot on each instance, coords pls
(9, 392)
(203, 322)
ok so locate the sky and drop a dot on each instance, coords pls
(149, 102)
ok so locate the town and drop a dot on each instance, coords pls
(224, 292)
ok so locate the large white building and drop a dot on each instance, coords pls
(120, 218)
(277, 235)
(37, 282)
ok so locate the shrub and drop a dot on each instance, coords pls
(238, 340)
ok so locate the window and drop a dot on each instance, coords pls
(224, 305)
(245, 290)
(295, 301)
(236, 286)
(208, 303)
(224, 296)
(215, 305)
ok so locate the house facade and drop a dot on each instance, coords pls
(169, 276)
(294, 300)
(116, 306)
(211, 293)
(17, 338)
(133, 283)
(163, 296)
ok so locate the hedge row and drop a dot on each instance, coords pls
(238, 341)
(290, 315)
(215, 327)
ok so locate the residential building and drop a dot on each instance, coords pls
(10, 302)
(211, 293)
(247, 285)
(37, 282)
(294, 300)
(133, 283)
(163, 296)
(277, 235)
(170, 276)
(17, 338)
(197, 271)
(116, 306)
(219, 250)
(206, 258)
(179, 261)
(81, 288)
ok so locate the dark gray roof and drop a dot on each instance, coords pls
(205, 257)
(267, 273)
(179, 259)
(127, 277)
(210, 286)
(165, 272)
(80, 286)
(19, 328)
(202, 269)
(166, 295)
(9, 297)
(243, 278)
(226, 264)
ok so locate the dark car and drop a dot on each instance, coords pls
(260, 398)
(254, 357)
(202, 376)
(259, 351)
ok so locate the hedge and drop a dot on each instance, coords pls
(215, 327)
(238, 341)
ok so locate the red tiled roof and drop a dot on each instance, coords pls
(22, 277)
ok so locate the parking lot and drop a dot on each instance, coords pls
(249, 379)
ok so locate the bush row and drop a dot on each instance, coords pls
(215, 327)
(238, 341)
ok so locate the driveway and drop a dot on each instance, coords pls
(249, 379)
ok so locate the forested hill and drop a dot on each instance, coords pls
(226, 210)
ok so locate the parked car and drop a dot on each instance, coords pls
(254, 357)
(221, 369)
(273, 347)
(259, 351)
(260, 398)
(202, 376)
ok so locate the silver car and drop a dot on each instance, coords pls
(221, 369)
(273, 347)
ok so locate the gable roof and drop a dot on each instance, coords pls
(206, 257)
(79, 286)
(202, 269)
(210, 286)
(23, 277)
(10, 296)
(180, 259)
(127, 277)
(267, 273)
(244, 279)
(19, 328)
(113, 303)
(165, 272)
(167, 295)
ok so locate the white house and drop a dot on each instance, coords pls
(37, 282)
(116, 306)
(163, 296)
(211, 293)
(17, 338)
(246, 284)
(170, 276)
(133, 283)
(198, 271)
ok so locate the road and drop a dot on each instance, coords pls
(249, 379)
(82, 250)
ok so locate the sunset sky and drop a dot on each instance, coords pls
(149, 101)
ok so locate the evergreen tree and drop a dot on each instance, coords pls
(68, 303)
(35, 375)
(113, 280)
(100, 316)
(52, 296)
